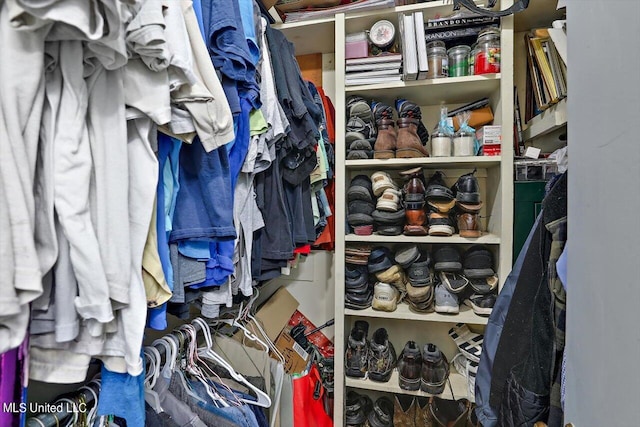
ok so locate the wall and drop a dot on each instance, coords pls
(603, 340)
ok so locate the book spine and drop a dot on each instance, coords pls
(453, 34)
(461, 22)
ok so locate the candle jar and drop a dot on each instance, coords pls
(463, 143)
(472, 59)
(487, 57)
(440, 144)
(458, 61)
(438, 60)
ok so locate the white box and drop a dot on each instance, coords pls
(489, 135)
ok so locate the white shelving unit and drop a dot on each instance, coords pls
(553, 118)
(494, 175)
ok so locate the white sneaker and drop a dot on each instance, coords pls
(446, 302)
(382, 181)
(385, 297)
(389, 200)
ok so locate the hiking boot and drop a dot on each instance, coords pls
(357, 354)
(408, 143)
(435, 370)
(409, 367)
(385, 297)
(385, 145)
(382, 414)
(382, 356)
(437, 189)
(466, 189)
(449, 413)
(404, 411)
(447, 258)
(478, 262)
(446, 302)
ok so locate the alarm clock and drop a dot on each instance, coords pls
(382, 34)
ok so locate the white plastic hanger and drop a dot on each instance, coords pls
(263, 399)
(152, 356)
(247, 315)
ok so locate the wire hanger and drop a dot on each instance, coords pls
(263, 399)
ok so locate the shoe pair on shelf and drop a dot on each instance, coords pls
(361, 129)
(426, 369)
(375, 358)
(410, 137)
(433, 412)
(469, 277)
(361, 411)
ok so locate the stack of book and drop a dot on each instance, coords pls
(460, 28)
(547, 69)
(383, 68)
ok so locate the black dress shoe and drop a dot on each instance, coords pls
(437, 189)
(466, 189)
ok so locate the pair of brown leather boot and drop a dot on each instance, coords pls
(400, 142)
(433, 412)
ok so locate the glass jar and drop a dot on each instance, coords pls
(487, 57)
(438, 60)
(472, 59)
(459, 61)
(440, 143)
(464, 143)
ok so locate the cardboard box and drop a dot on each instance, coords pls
(273, 315)
(488, 135)
(295, 357)
(491, 149)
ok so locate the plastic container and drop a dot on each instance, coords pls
(487, 56)
(459, 61)
(535, 170)
(438, 60)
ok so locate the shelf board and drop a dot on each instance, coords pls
(310, 36)
(539, 14)
(487, 239)
(448, 90)
(403, 312)
(458, 384)
(548, 121)
(428, 162)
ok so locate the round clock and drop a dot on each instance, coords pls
(382, 34)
